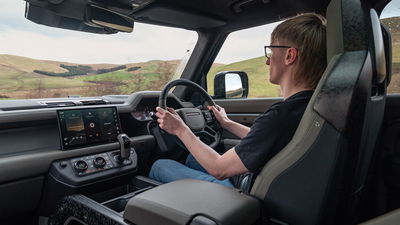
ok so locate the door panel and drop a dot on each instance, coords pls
(390, 218)
(244, 111)
(389, 159)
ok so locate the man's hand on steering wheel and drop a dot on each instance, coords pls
(201, 122)
(170, 121)
(219, 114)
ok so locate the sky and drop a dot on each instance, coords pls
(19, 36)
(391, 10)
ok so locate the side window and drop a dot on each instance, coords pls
(390, 17)
(244, 51)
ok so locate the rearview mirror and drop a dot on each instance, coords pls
(231, 84)
(102, 17)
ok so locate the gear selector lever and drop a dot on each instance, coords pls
(125, 147)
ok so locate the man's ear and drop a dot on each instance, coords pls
(291, 56)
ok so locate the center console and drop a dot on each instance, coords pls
(182, 202)
(102, 187)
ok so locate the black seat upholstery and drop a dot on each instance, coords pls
(318, 177)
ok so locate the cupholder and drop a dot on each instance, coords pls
(118, 204)
(116, 198)
(113, 193)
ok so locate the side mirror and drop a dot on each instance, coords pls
(231, 84)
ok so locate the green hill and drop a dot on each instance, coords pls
(22, 77)
(27, 64)
(152, 75)
(393, 24)
(17, 79)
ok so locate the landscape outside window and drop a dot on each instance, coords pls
(43, 62)
(243, 51)
(390, 17)
(245, 48)
(37, 61)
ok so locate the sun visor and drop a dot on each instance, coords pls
(178, 18)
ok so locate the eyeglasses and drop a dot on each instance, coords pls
(268, 52)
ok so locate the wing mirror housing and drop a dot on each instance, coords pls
(230, 85)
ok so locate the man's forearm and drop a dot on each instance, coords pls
(219, 166)
(236, 128)
(205, 155)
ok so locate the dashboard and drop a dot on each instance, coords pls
(35, 136)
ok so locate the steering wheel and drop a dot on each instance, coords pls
(201, 122)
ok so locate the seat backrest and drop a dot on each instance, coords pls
(311, 179)
(373, 120)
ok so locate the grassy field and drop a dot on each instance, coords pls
(152, 75)
(31, 85)
(17, 79)
(393, 25)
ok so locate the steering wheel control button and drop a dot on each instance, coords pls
(208, 116)
(80, 165)
(63, 164)
(99, 162)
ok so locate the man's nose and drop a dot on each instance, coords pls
(267, 62)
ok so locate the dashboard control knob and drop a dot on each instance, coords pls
(80, 165)
(99, 162)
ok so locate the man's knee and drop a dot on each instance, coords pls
(158, 166)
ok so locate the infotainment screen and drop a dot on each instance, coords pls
(84, 127)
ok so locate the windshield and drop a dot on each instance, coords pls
(37, 61)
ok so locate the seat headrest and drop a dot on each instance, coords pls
(379, 48)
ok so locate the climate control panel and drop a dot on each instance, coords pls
(98, 162)
(93, 167)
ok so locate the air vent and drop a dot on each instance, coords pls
(93, 102)
(58, 104)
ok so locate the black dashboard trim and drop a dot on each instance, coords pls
(130, 104)
(31, 164)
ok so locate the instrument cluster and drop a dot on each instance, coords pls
(143, 113)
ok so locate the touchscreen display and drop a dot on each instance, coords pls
(81, 127)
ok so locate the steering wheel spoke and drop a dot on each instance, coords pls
(202, 122)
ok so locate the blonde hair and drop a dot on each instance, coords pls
(307, 33)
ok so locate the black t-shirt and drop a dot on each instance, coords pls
(272, 131)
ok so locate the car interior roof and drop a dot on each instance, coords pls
(206, 14)
(229, 15)
(232, 14)
(194, 14)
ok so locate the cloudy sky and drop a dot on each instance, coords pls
(19, 36)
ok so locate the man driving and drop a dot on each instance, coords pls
(296, 58)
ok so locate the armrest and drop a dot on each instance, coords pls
(188, 201)
(392, 217)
